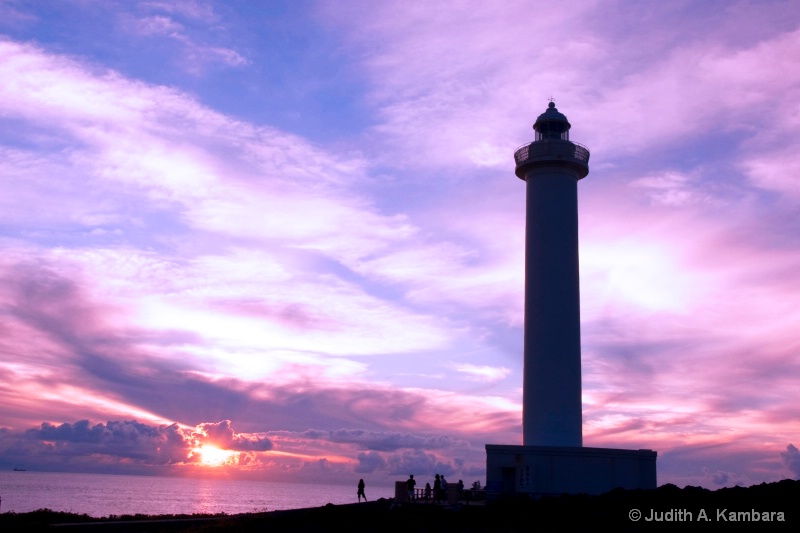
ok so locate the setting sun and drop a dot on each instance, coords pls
(213, 456)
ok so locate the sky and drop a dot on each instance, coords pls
(284, 240)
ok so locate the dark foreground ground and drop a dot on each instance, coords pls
(765, 507)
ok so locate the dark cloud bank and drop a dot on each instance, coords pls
(131, 447)
(118, 446)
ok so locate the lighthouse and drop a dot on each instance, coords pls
(552, 458)
(551, 167)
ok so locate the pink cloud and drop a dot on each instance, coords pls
(105, 368)
(154, 25)
(195, 55)
(193, 9)
(774, 171)
(221, 434)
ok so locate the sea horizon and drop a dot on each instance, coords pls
(102, 495)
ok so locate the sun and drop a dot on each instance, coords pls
(213, 456)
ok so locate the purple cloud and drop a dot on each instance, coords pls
(111, 445)
(411, 461)
(369, 462)
(791, 460)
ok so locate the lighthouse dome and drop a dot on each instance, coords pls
(552, 125)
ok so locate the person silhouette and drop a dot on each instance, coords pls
(361, 491)
(410, 484)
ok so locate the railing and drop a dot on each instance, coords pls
(465, 495)
(552, 148)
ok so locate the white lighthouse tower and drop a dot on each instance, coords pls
(552, 459)
(551, 166)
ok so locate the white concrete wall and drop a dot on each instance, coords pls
(551, 403)
(541, 470)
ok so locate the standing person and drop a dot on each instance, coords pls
(437, 488)
(410, 484)
(427, 492)
(361, 490)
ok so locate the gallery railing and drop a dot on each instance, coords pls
(556, 149)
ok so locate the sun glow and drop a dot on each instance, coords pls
(213, 456)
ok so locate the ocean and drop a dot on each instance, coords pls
(102, 495)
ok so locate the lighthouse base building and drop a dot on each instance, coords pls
(552, 470)
(552, 459)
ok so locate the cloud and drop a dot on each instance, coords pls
(451, 101)
(125, 446)
(791, 460)
(150, 164)
(200, 25)
(12, 17)
(134, 447)
(155, 25)
(673, 189)
(369, 462)
(118, 440)
(222, 178)
(774, 170)
(387, 441)
(193, 9)
(417, 462)
(107, 364)
(221, 435)
(721, 478)
(482, 373)
(389, 454)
